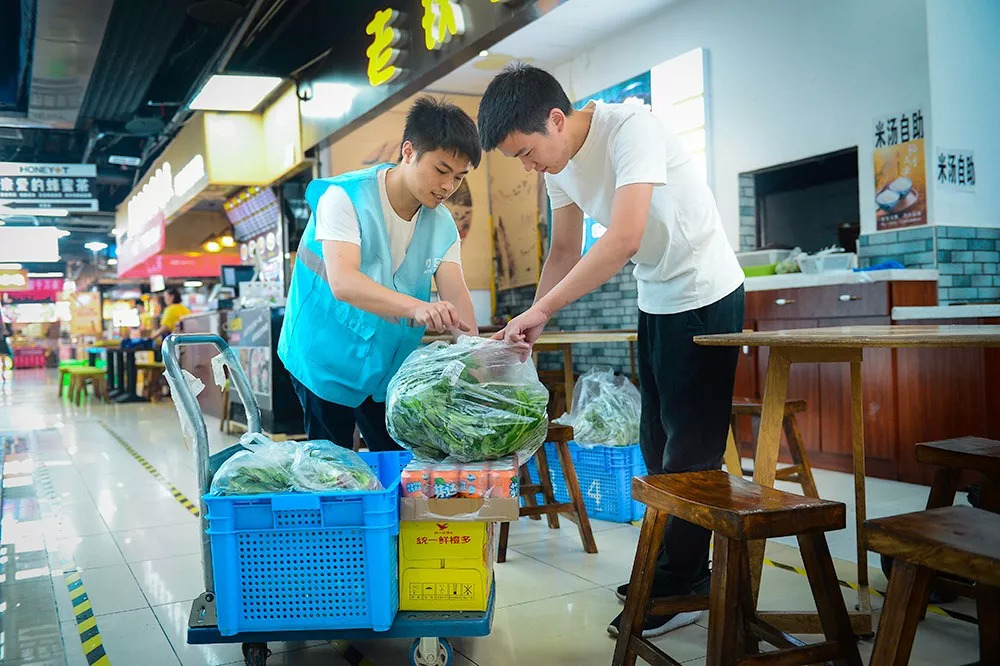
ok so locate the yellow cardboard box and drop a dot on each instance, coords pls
(445, 566)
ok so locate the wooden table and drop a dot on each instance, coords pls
(832, 345)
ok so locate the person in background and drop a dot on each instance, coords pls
(627, 169)
(171, 315)
(6, 354)
(360, 295)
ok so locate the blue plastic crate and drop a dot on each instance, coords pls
(605, 475)
(308, 561)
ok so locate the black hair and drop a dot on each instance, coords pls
(519, 99)
(175, 296)
(432, 124)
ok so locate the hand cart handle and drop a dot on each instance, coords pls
(189, 404)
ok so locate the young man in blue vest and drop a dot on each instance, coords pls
(627, 169)
(359, 301)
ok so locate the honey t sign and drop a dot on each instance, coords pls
(900, 173)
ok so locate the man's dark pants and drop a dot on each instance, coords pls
(687, 393)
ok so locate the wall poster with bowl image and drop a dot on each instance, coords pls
(900, 175)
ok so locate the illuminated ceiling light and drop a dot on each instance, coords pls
(330, 99)
(483, 53)
(117, 231)
(112, 262)
(227, 241)
(10, 267)
(225, 92)
(61, 233)
(95, 246)
(212, 246)
(193, 283)
(53, 274)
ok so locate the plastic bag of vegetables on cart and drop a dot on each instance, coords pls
(471, 401)
(288, 467)
(605, 410)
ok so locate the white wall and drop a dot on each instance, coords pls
(787, 79)
(963, 40)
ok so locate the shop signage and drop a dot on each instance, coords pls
(956, 170)
(70, 186)
(85, 313)
(398, 47)
(13, 280)
(900, 175)
(162, 188)
(181, 266)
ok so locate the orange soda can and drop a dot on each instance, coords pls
(503, 480)
(475, 480)
(445, 480)
(415, 480)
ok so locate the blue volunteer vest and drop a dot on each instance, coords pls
(339, 352)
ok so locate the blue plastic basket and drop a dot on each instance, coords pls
(605, 474)
(308, 561)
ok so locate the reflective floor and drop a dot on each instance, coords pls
(99, 562)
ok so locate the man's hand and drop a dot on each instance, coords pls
(524, 329)
(439, 317)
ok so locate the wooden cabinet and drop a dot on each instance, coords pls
(826, 425)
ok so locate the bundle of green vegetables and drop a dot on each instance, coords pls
(289, 467)
(471, 401)
(605, 410)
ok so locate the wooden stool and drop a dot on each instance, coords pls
(79, 378)
(153, 375)
(62, 377)
(800, 471)
(958, 540)
(953, 456)
(737, 511)
(574, 510)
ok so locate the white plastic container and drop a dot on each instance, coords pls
(762, 257)
(826, 263)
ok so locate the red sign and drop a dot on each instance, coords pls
(181, 266)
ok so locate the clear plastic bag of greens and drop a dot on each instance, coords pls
(605, 410)
(287, 467)
(321, 465)
(471, 401)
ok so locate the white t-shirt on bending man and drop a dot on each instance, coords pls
(684, 261)
(337, 220)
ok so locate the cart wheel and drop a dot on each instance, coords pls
(255, 654)
(443, 656)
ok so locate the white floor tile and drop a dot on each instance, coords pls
(131, 637)
(80, 519)
(125, 515)
(110, 590)
(171, 579)
(150, 543)
(611, 565)
(87, 552)
(522, 579)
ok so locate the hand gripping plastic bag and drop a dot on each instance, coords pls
(605, 410)
(287, 467)
(471, 401)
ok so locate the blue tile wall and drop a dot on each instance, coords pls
(967, 258)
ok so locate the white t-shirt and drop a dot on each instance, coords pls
(684, 261)
(337, 220)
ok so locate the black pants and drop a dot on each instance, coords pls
(328, 420)
(687, 394)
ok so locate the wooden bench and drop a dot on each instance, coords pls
(958, 540)
(574, 510)
(737, 511)
(800, 471)
(80, 376)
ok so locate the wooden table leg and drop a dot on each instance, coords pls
(640, 585)
(545, 481)
(860, 505)
(573, 486)
(988, 610)
(732, 456)
(502, 545)
(567, 351)
(772, 418)
(631, 361)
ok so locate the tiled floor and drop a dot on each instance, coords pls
(137, 551)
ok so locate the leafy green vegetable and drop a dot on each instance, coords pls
(605, 411)
(471, 401)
